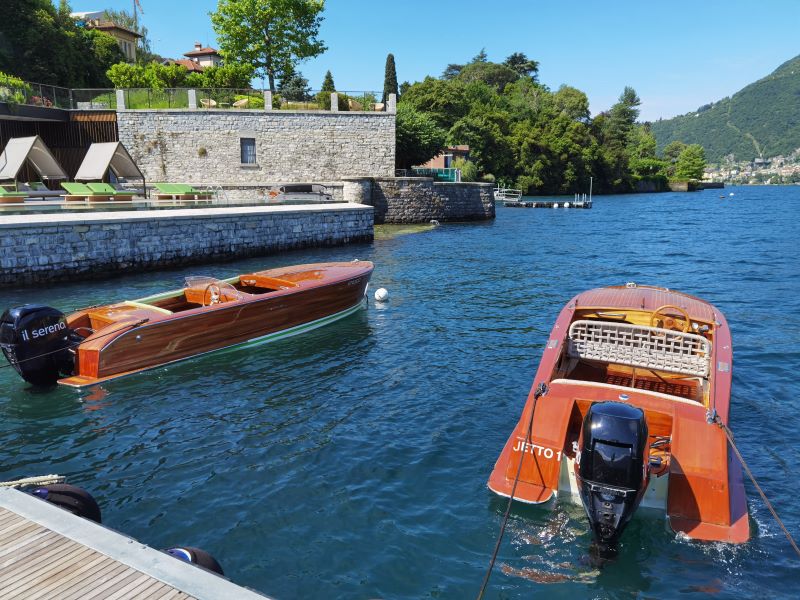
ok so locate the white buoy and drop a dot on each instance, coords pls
(555, 205)
(566, 204)
(381, 294)
(731, 194)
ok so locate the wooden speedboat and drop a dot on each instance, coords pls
(101, 343)
(621, 414)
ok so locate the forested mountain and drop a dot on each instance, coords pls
(761, 120)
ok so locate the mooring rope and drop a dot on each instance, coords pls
(714, 418)
(541, 390)
(76, 344)
(38, 480)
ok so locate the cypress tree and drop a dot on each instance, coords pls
(327, 85)
(389, 79)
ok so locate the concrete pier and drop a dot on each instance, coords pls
(47, 552)
(66, 247)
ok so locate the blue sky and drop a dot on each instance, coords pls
(677, 54)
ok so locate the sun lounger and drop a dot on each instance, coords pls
(79, 192)
(37, 189)
(181, 191)
(8, 195)
(104, 188)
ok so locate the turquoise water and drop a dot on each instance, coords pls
(352, 461)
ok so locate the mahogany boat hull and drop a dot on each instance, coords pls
(699, 483)
(144, 334)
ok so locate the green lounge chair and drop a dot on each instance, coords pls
(104, 188)
(181, 191)
(81, 192)
(9, 195)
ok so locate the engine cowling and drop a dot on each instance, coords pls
(612, 470)
(36, 340)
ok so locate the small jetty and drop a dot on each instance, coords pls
(579, 201)
(47, 552)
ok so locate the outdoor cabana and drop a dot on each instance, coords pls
(34, 152)
(108, 156)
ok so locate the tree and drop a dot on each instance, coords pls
(327, 83)
(480, 57)
(522, 65)
(272, 36)
(417, 136)
(295, 87)
(451, 71)
(42, 43)
(572, 102)
(389, 79)
(691, 162)
(497, 76)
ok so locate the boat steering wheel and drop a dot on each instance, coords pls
(668, 322)
(213, 293)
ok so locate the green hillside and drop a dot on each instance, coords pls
(762, 119)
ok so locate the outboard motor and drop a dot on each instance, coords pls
(36, 341)
(612, 468)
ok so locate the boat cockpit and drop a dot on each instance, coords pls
(663, 351)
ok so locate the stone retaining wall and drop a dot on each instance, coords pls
(420, 199)
(36, 248)
(204, 146)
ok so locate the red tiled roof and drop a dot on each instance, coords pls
(203, 52)
(189, 64)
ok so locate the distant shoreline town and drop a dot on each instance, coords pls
(776, 170)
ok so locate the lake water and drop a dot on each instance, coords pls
(352, 461)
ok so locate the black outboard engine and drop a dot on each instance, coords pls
(36, 341)
(612, 469)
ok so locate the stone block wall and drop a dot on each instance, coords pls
(41, 248)
(419, 199)
(203, 146)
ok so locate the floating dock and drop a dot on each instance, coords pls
(47, 552)
(548, 204)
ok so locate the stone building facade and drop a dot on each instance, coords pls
(257, 146)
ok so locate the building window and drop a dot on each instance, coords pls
(248, 150)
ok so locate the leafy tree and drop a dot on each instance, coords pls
(126, 75)
(497, 76)
(572, 102)
(691, 162)
(485, 132)
(417, 136)
(327, 83)
(271, 36)
(404, 87)
(522, 65)
(389, 79)
(42, 43)
(295, 87)
(451, 71)
(673, 150)
(228, 75)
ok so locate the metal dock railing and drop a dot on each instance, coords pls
(47, 552)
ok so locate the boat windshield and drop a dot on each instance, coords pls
(211, 289)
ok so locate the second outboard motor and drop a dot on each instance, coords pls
(36, 341)
(612, 469)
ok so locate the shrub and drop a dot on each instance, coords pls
(12, 89)
(469, 172)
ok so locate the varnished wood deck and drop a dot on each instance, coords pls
(46, 552)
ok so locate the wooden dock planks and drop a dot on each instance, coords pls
(46, 552)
